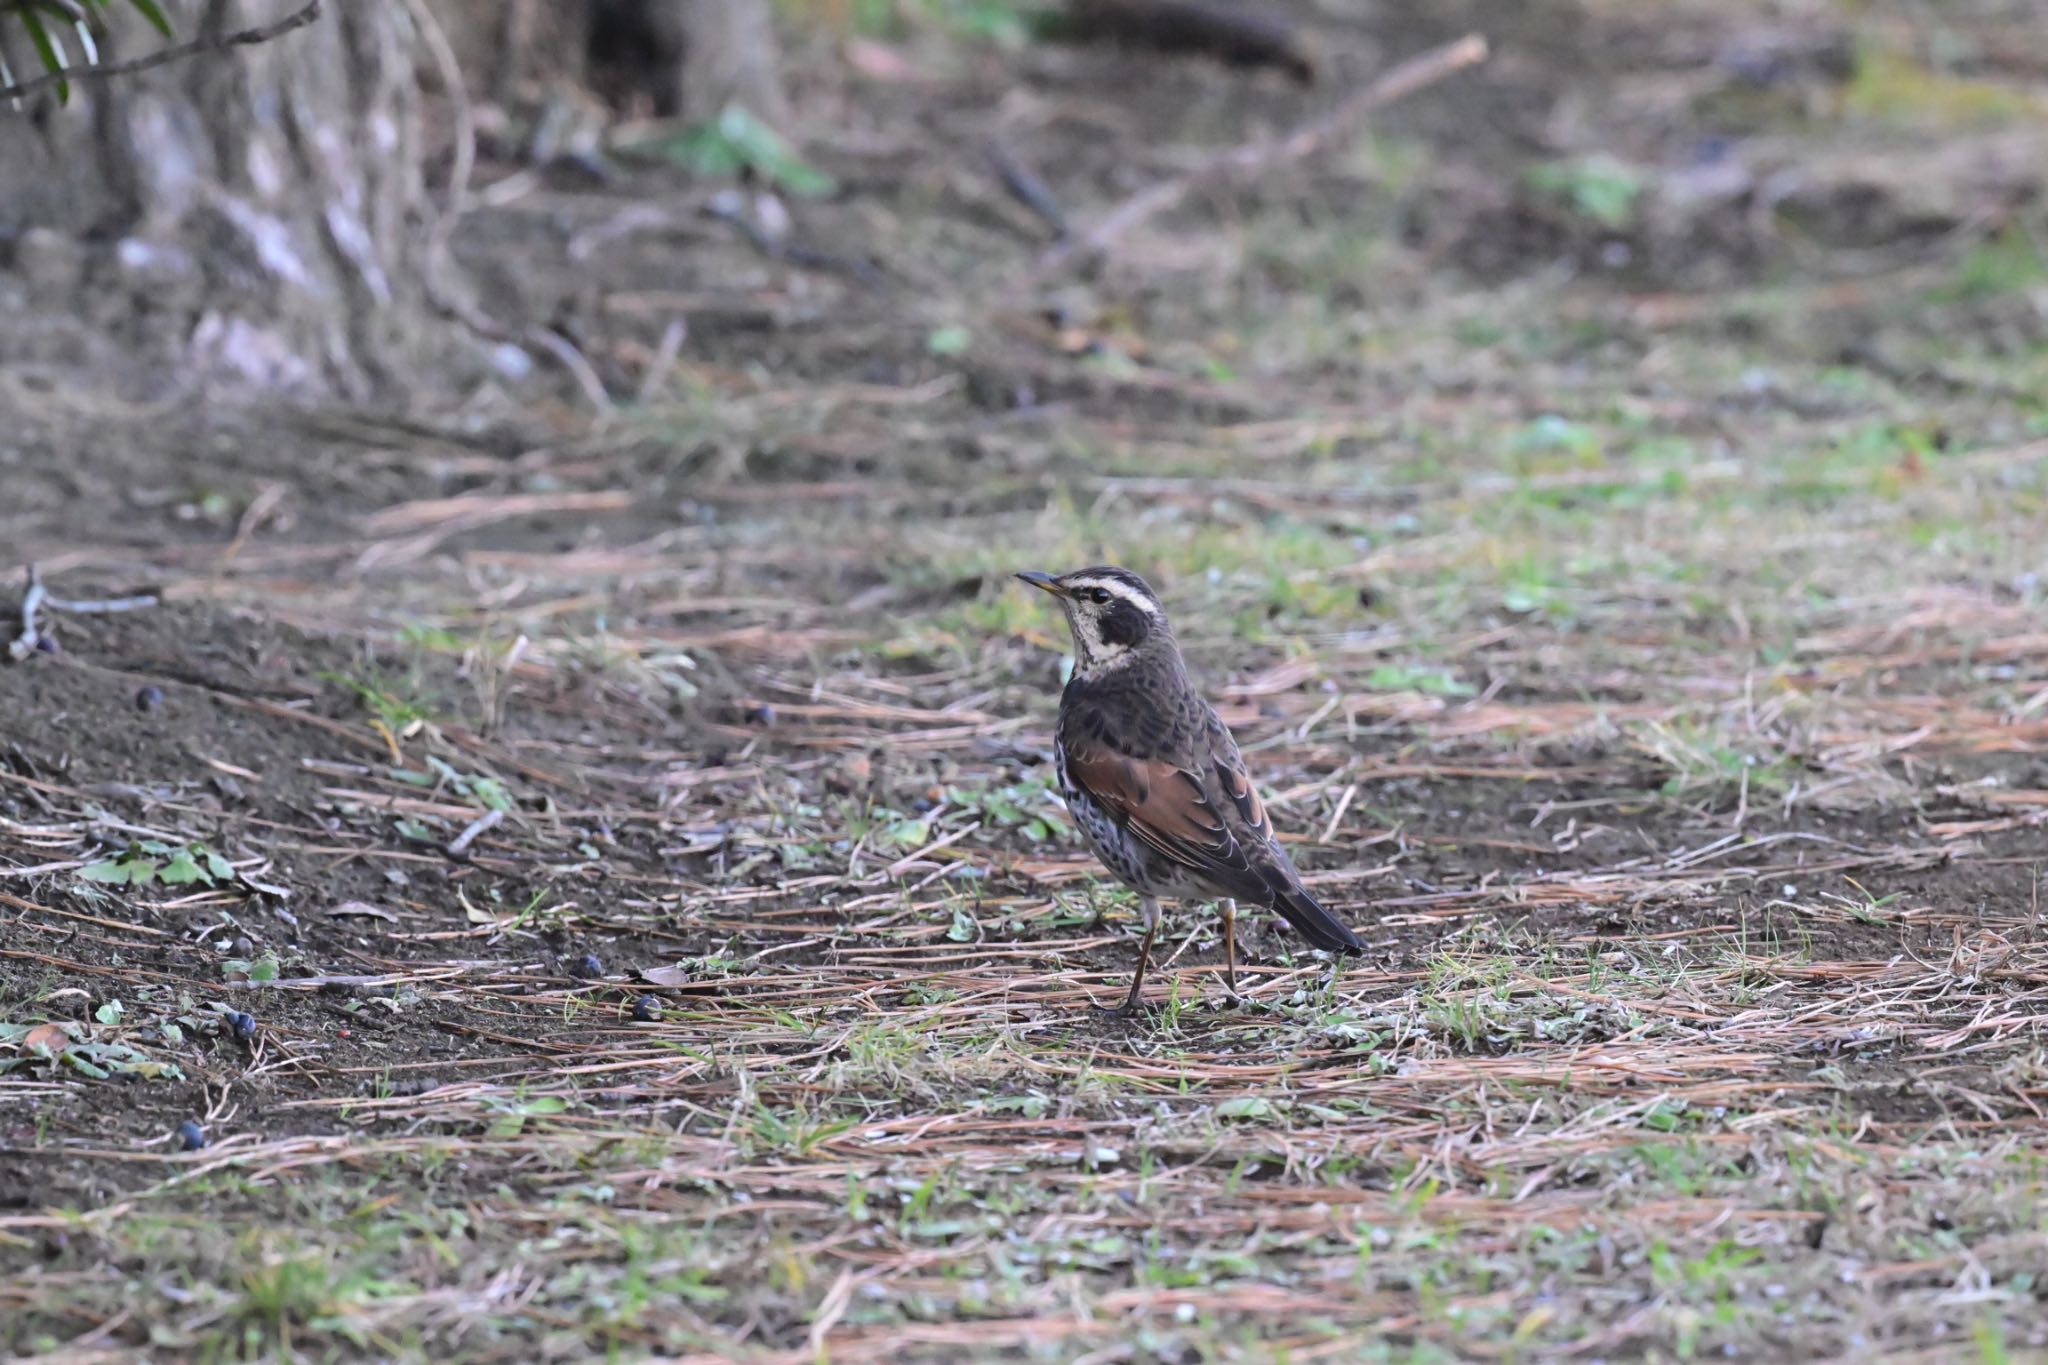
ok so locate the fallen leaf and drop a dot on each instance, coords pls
(879, 62)
(47, 1036)
(182, 870)
(1246, 1107)
(363, 908)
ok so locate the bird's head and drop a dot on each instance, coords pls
(1114, 615)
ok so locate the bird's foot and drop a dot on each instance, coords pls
(1233, 998)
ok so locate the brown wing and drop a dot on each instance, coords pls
(1192, 815)
(1167, 807)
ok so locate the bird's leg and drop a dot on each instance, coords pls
(1150, 908)
(1230, 948)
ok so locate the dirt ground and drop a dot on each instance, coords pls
(592, 881)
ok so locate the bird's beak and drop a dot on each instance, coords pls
(1044, 580)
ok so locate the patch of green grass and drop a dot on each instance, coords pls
(1551, 443)
(1598, 188)
(1532, 585)
(298, 1293)
(1892, 87)
(1030, 807)
(794, 1131)
(149, 861)
(2009, 263)
(1433, 682)
(738, 141)
(401, 706)
(1707, 760)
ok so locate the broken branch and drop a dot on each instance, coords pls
(1312, 137)
(1027, 189)
(25, 643)
(458, 847)
(241, 38)
(37, 598)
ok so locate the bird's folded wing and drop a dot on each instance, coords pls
(1165, 806)
(1236, 782)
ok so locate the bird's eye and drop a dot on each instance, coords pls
(1099, 597)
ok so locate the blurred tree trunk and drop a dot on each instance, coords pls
(262, 212)
(729, 56)
(262, 204)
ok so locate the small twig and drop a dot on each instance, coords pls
(575, 362)
(331, 980)
(25, 643)
(830, 1310)
(1027, 189)
(1417, 73)
(38, 598)
(901, 865)
(253, 516)
(247, 37)
(1337, 815)
(458, 847)
(627, 221)
(72, 606)
(778, 247)
(672, 339)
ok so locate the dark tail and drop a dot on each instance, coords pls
(1321, 928)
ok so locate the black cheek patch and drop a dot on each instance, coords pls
(1124, 624)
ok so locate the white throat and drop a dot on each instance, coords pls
(1093, 654)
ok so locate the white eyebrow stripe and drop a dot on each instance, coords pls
(1118, 588)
